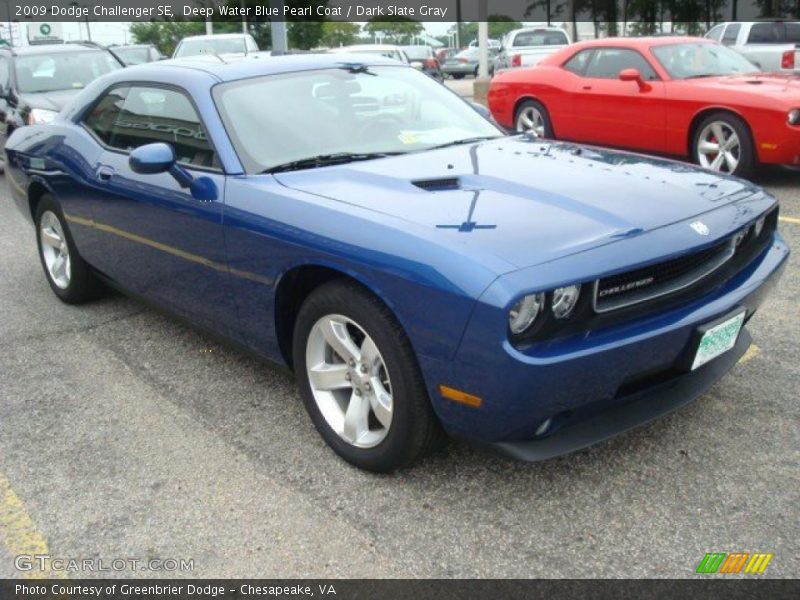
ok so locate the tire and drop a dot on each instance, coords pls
(457, 76)
(537, 113)
(385, 440)
(739, 160)
(78, 284)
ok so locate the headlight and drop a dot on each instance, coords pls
(41, 115)
(524, 313)
(564, 300)
(794, 116)
(740, 237)
(760, 226)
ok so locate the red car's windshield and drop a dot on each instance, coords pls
(688, 61)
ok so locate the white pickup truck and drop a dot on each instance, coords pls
(773, 46)
(526, 47)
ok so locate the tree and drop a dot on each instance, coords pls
(304, 35)
(165, 35)
(499, 25)
(397, 29)
(339, 33)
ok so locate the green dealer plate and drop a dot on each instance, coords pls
(718, 340)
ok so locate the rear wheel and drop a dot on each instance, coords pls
(722, 143)
(533, 116)
(68, 275)
(359, 379)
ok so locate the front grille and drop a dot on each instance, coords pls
(633, 287)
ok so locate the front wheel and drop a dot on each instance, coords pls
(722, 143)
(359, 379)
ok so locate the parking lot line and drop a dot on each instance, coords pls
(18, 532)
(793, 220)
(751, 353)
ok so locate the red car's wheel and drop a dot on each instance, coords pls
(722, 143)
(533, 116)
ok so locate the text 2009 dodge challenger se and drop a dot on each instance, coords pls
(363, 225)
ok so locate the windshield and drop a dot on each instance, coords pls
(277, 119)
(62, 70)
(211, 46)
(132, 56)
(686, 61)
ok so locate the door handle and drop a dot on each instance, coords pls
(104, 173)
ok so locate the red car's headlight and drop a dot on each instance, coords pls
(794, 116)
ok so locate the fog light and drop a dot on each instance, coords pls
(565, 299)
(524, 313)
(759, 227)
(545, 425)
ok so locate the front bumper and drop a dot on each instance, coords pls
(596, 385)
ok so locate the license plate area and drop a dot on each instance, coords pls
(716, 338)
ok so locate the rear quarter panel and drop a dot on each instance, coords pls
(548, 84)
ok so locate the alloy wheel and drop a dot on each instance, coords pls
(55, 250)
(530, 119)
(349, 381)
(719, 147)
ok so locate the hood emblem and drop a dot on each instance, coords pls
(700, 227)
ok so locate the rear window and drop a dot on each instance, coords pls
(540, 38)
(774, 33)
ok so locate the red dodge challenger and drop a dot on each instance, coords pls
(678, 96)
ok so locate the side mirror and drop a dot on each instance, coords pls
(633, 75)
(159, 157)
(152, 158)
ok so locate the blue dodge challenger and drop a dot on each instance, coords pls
(417, 270)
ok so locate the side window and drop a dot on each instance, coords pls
(4, 74)
(766, 33)
(792, 33)
(577, 64)
(608, 62)
(731, 33)
(103, 116)
(715, 33)
(152, 114)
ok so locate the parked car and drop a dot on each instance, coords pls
(771, 45)
(423, 58)
(37, 81)
(444, 53)
(416, 268)
(387, 50)
(493, 44)
(526, 47)
(679, 96)
(136, 54)
(465, 63)
(219, 43)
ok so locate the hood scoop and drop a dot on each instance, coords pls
(444, 184)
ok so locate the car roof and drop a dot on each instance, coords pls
(640, 42)
(232, 68)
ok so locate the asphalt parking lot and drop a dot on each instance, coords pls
(126, 435)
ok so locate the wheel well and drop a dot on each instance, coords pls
(35, 192)
(293, 288)
(698, 118)
(519, 103)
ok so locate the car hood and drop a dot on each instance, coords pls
(525, 201)
(49, 100)
(774, 84)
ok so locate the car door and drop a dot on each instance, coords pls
(160, 241)
(612, 112)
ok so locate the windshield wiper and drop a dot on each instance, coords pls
(471, 140)
(324, 160)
